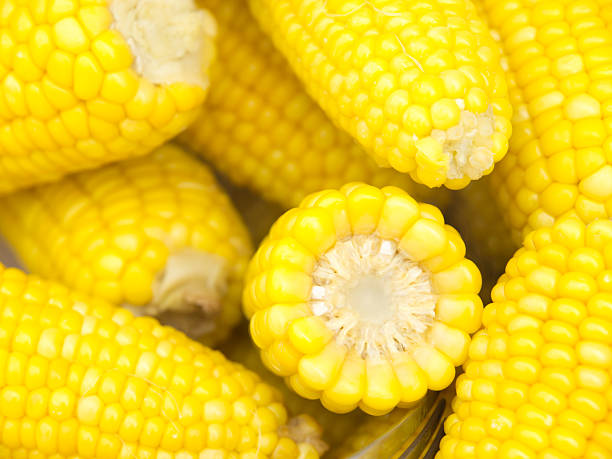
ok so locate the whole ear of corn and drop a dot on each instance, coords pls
(261, 129)
(537, 381)
(363, 297)
(417, 83)
(156, 233)
(560, 59)
(83, 83)
(81, 378)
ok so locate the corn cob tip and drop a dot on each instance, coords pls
(468, 145)
(306, 433)
(171, 42)
(192, 284)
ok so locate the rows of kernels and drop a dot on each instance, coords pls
(296, 342)
(404, 423)
(542, 364)
(336, 427)
(69, 98)
(79, 377)
(261, 129)
(559, 160)
(391, 73)
(109, 232)
(481, 225)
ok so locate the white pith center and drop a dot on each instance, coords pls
(171, 40)
(372, 296)
(468, 145)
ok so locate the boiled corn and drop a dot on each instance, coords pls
(83, 83)
(82, 378)
(336, 428)
(537, 381)
(155, 233)
(363, 297)
(261, 129)
(417, 83)
(560, 61)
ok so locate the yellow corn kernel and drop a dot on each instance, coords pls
(558, 162)
(335, 427)
(402, 99)
(193, 399)
(261, 129)
(546, 388)
(155, 233)
(376, 327)
(60, 57)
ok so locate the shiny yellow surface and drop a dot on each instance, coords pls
(110, 232)
(537, 380)
(81, 378)
(335, 427)
(398, 74)
(298, 344)
(261, 129)
(559, 76)
(69, 96)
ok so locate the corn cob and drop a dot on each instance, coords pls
(155, 233)
(83, 83)
(417, 83)
(559, 67)
(335, 427)
(82, 378)
(537, 381)
(362, 297)
(261, 129)
(488, 241)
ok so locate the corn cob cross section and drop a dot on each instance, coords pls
(537, 381)
(559, 61)
(81, 378)
(417, 83)
(363, 297)
(262, 130)
(156, 233)
(84, 83)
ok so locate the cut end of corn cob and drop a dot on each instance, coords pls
(418, 84)
(82, 378)
(374, 298)
(188, 293)
(171, 42)
(363, 297)
(157, 234)
(468, 145)
(537, 382)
